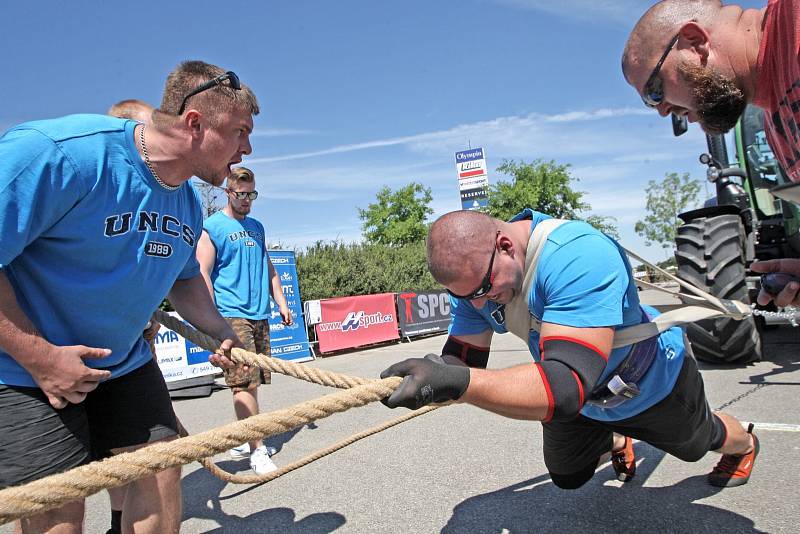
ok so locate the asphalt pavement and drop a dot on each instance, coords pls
(461, 469)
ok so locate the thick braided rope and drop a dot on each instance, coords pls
(259, 479)
(56, 490)
(292, 369)
(303, 372)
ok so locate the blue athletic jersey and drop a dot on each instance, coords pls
(583, 280)
(241, 272)
(90, 242)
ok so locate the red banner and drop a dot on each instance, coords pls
(354, 321)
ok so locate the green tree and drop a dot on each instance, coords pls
(665, 200)
(397, 217)
(544, 186)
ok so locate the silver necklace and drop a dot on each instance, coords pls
(150, 165)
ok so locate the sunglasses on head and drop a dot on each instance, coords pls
(653, 92)
(241, 195)
(486, 283)
(233, 82)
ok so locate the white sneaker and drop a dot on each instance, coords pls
(243, 451)
(260, 462)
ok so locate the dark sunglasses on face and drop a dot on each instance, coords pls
(233, 81)
(486, 284)
(653, 92)
(241, 195)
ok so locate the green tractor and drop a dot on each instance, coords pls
(744, 222)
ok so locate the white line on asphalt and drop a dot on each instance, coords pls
(778, 427)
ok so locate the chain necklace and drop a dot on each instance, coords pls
(150, 165)
(789, 314)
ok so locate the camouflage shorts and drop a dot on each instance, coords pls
(255, 338)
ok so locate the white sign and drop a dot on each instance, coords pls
(313, 312)
(178, 358)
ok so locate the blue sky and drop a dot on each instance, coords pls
(356, 95)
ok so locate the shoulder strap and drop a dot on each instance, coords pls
(519, 320)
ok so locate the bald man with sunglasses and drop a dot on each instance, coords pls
(566, 294)
(706, 61)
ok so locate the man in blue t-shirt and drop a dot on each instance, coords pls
(97, 225)
(591, 396)
(238, 272)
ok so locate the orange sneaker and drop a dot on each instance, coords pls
(734, 470)
(624, 461)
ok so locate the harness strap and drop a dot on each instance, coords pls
(701, 304)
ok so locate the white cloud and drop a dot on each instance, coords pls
(513, 132)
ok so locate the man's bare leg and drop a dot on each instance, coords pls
(245, 404)
(738, 441)
(65, 520)
(153, 505)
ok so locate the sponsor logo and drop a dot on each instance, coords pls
(356, 320)
(469, 155)
(167, 337)
(288, 348)
(286, 277)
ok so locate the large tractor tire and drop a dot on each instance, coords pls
(711, 256)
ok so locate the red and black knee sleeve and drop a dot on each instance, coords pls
(569, 369)
(469, 354)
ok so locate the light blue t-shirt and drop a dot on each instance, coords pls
(90, 242)
(241, 272)
(583, 280)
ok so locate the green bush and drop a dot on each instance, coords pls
(335, 269)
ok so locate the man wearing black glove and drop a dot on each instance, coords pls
(429, 379)
(565, 289)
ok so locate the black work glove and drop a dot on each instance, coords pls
(426, 380)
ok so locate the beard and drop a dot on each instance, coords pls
(718, 101)
(241, 210)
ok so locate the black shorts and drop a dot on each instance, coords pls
(37, 440)
(681, 425)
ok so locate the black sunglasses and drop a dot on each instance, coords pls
(486, 284)
(232, 78)
(653, 92)
(241, 195)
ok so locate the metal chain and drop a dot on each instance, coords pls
(740, 397)
(150, 165)
(788, 314)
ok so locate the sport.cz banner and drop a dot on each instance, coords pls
(423, 312)
(354, 321)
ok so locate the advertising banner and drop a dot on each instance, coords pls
(354, 321)
(473, 179)
(288, 342)
(178, 358)
(424, 312)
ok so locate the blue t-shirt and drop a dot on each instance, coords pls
(89, 241)
(241, 272)
(583, 280)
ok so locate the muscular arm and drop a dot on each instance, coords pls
(18, 336)
(520, 392)
(277, 293)
(58, 371)
(206, 257)
(191, 300)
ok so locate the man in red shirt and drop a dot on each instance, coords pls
(706, 61)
